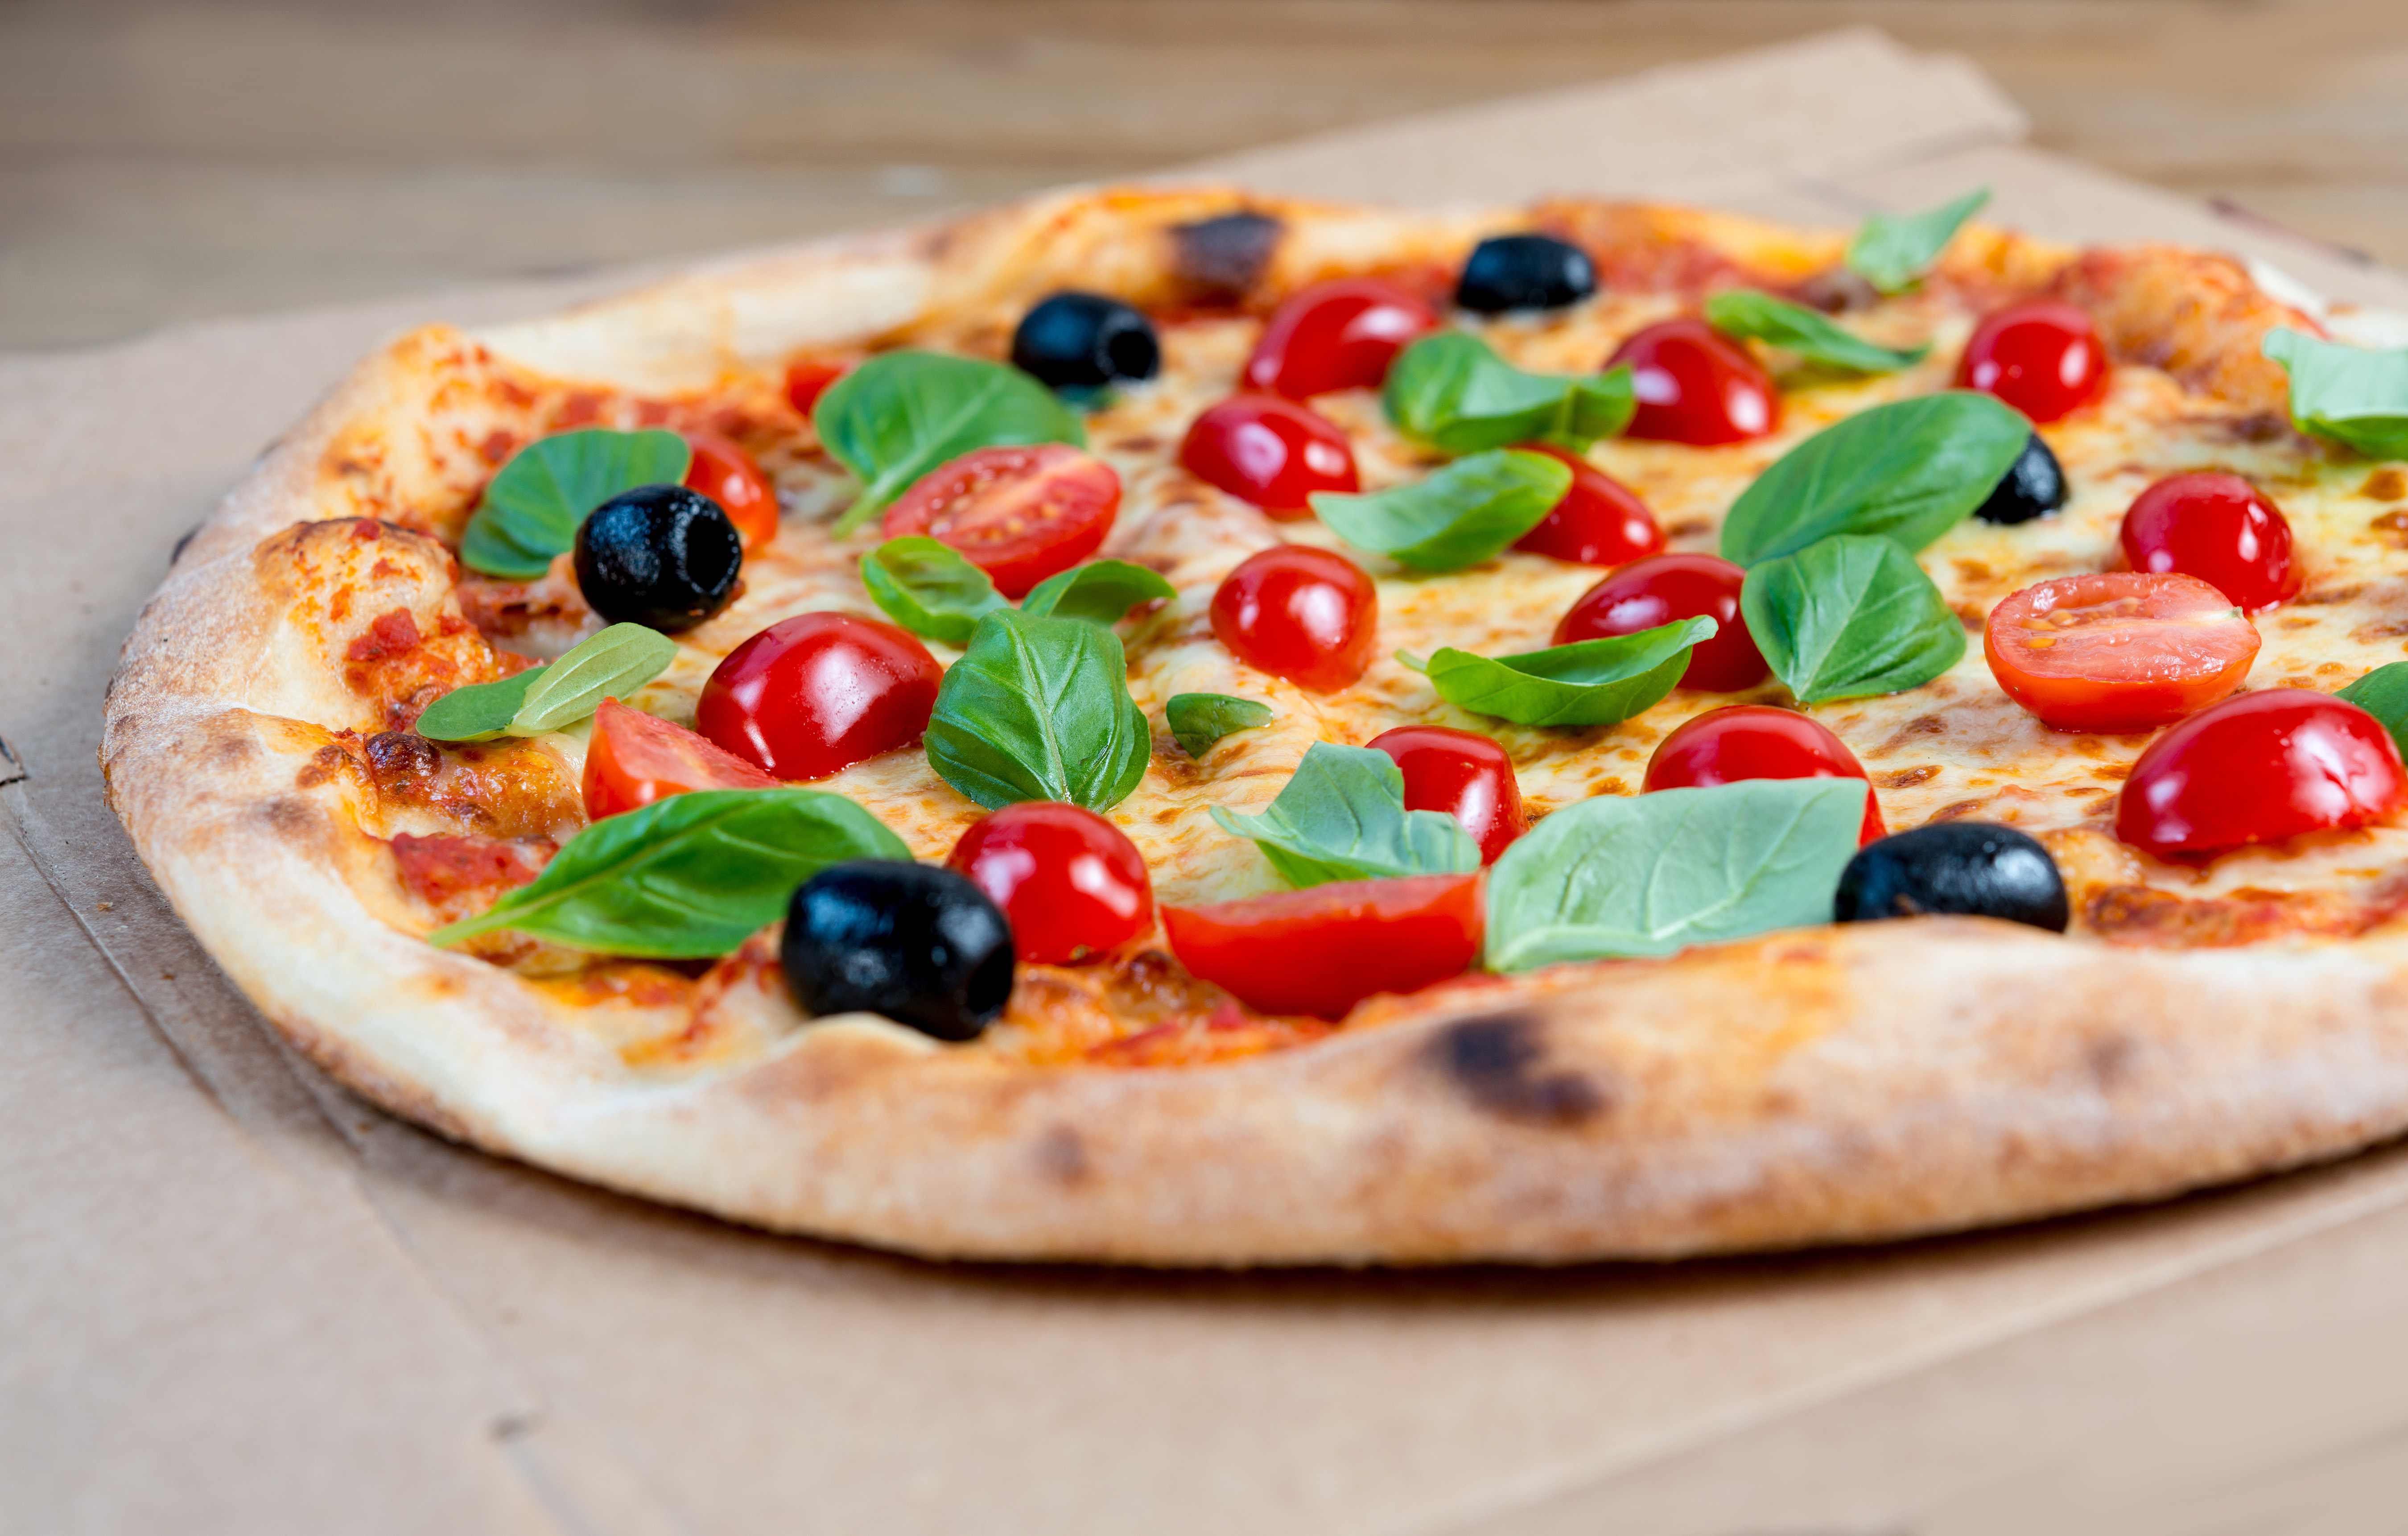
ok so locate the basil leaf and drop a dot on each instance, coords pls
(2355, 395)
(611, 664)
(1745, 313)
(1198, 721)
(685, 878)
(479, 712)
(1451, 392)
(902, 413)
(2384, 694)
(1039, 709)
(1909, 470)
(1469, 511)
(1342, 816)
(929, 588)
(1590, 682)
(1892, 251)
(1850, 616)
(1616, 876)
(531, 509)
(1102, 591)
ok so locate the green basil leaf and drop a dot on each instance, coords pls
(902, 413)
(2384, 694)
(1102, 591)
(1039, 709)
(1451, 392)
(688, 877)
(1909, 470)
(1745, 313)
(1850, 616)
(531, 509)
(1198, 721)
(1589, 683)
(1342, 816)
(1892, 251)
(611, 664)
(479, 712)
(929, 588)
(1469, 511)
(2355, 395)
(1615, 876)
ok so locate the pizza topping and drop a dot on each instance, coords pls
(1039, 709)
(635, 759)
(2043, 357)
(1198, 722)
(458, 876)
(1071, 884)
(1694, 385)
(664, 556)
(619, 660)
(2219, 529)
(2124, 650)
(817, 692)
(1323, 950)
(902, 414)
(1598, 522)
(1890, 251)
(1587, 682)
(2258, 768)
(1850, 616)
(533, 509)
(1742, 742)
(921, 945)
(1452, 393)
(1466, 776)
(2033, 487)
(1965, 869)
(1306, 614)
(1508, 272)
(2384, 694)
(1103, 593)
(1467, 513)
(929, 588)
(1342, 816)
(1664, 589)
(809, 378)
(722, 471)
(1340, 334)
(1085, 341)
(1269, 452)
(1019, 513)
(1744, 314)
(2354, 395)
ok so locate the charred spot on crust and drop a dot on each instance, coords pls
(1497, 1061)
(398, 756)
(1219, 259)
(1062, 1156)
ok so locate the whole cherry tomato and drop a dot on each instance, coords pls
(2258, 769)
(1308, 615)
(635, 759)
(1019, 513)
(819, 692)
(1696, 385)
(2123, 650)
(1599, 522)
(1323, 950)
(810, 379)
(2219, 529)
(1340, 334)
(1466, 776)
(2042, 357)
(727, 475)
(1661, 589)
(1270, 451)
(1756, 741)
(1071, 883)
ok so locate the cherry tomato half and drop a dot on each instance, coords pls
(1696, 385)
(1019, 513)
(1756, 741)
(1323, 950)
(1599, 522)
(1341, 334)
(2043, 357)
(1466, 776)
(2219, 529)
(1270, 451)
(1661, 589)
(727, 475)
(810, 379)
(819, 692)
(1308, 615)
(2123, 650)
(635, 759)
(2258, 769)
(1071, 883)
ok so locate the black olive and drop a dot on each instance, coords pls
(916, 942)
(1085, 341)
(2034, 487)
(1971, 868)
(660, 555)
(1524, 272)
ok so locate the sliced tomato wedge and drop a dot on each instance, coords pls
(635, 759)
(1020, 514)
(1323, 950)
(2120, 651)
(726, 474)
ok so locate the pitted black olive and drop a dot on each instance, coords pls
(1524, 272)
(661, 555)
(1969, 868)
(1085, 341)
(916, 942)
(2034, 486)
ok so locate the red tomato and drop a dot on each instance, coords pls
(636, 758)
(2257, 768)
(1756, 741)
(1341, 334)
(810, 379)
(2044, 358)
(819, 692)
(2219, 529)
(1306, 614)
(1696, 385)
(2124, 650)
(1600, 521)
(1020, 513)
(1466, 776)
(1072, 884)
(1659, 590)
(1270, 451)
(1323, 950)
(727, 475)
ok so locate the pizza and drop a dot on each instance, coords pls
(1176, 726)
